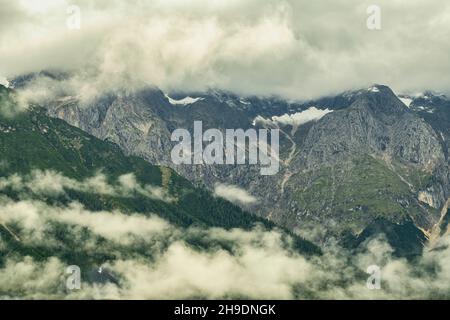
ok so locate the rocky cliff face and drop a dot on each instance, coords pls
(371, 158)
(376, 122)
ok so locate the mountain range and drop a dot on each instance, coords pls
(48, 165)
(360, 162)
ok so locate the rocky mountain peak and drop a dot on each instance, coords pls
(381, 100)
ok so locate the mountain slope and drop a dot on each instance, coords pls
(375, 156)
(50, 167)
(371, 158)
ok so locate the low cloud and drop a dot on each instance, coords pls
(155, 260)
(34, 216)
(234, 194)
(50, 182)
(4, 82)
(295, 120)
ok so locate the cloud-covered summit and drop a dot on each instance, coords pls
(293, 48)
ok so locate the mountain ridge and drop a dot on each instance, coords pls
(368, 131)
(35, 145)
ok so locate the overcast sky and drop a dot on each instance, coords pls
(296, 48)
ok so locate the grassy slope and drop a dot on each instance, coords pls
(366, 187)
(367, 197)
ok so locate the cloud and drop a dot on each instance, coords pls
(234, 194)
(278, 47)
(51, 183)
(35, 219)
(184, 272)
(114, 226)
(39, 280)
(4, 82)
(149, 258)
(156, 260)
(295, 120)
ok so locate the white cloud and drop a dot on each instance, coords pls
(234, 194)
(258, 264)
(275, 47)
(49, 182)
(34, 217)
(37, 280)
(295, 120)
(4, 82)
(114, 226)
(184, 102)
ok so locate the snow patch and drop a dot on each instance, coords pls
(406, 101)
(185, 101)
(373, 89)
(243, 101)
